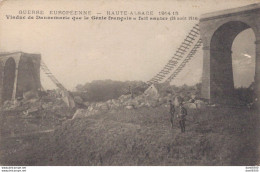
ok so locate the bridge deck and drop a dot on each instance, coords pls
(230, 12)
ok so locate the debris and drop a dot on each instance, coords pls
(152, 92)
(129, 107)
(78, 100)
(200, 104)
(190, 105)
(30, 95)
(177, 100)
(80, 113)
(86, 104)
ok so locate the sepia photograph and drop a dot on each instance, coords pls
(129, 83)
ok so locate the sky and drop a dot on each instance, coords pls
(82, 51)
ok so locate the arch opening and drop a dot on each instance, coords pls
(243, 62)
(221, 67)
(243, 59)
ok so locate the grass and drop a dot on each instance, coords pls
(214, 136)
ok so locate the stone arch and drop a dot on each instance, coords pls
(8, 79)
(20, 73)
(221, 71)
(218, 31)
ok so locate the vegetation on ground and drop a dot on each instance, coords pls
(214, 136)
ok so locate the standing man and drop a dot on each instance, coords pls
(172, 111)
(181, 116)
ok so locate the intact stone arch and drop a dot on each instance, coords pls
(19, 73)
(218, 31)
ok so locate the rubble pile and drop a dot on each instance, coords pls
(32, 113)
(129, 102)
(29, 107)
(51, 107)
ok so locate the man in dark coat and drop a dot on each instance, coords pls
(182, 113)
(172, 111)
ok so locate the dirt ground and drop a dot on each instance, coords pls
(214, 136)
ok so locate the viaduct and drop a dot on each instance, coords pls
(19, 73)
(218, 31)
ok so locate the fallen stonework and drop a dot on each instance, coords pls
(190, 105)
(44, 111)
(129, 103)
(40, 110)
(200, 104)
(33, 113)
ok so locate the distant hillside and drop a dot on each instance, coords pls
(103, 90)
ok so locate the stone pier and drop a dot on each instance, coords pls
(218, 31)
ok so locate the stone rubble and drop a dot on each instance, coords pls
(32, 105)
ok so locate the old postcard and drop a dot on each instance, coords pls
(129, 83)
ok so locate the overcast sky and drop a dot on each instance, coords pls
(81, 51)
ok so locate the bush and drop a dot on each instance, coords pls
(245, 95)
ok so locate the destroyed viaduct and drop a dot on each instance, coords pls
(20, 72)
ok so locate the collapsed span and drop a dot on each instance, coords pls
(182, 53)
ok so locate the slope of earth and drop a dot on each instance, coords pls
(214, 136)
